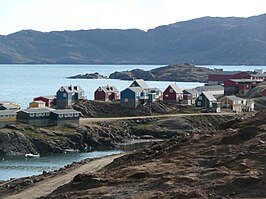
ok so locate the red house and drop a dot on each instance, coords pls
(239, 86)
(106, 93)
(218, 77)
(172, 93)
(49, 100)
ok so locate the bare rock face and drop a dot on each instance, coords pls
(13, 142)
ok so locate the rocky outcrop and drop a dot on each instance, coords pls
(20, 139)
(177, 73)
(88, 76)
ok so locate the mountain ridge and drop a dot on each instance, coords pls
(201, 41)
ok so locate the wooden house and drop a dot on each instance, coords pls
(173, 93)
(233, 102)
(49, 100)
(106, 93)
(205, 100)
(7, 117)
(37, 104)
(66, 96)
(131, 97)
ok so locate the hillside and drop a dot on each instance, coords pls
(207, 40)
(225, 163)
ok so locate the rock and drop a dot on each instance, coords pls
(95, 75)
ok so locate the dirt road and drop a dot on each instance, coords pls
(86, 120)
(49, 185)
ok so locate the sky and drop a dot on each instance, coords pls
(51, 15)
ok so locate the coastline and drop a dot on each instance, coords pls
(44, 184)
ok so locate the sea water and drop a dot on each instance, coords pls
(21, 83)
(20, 166)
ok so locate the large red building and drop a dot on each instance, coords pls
(220, 76)
(239, 86)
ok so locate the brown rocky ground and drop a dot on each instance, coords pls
(224, 163)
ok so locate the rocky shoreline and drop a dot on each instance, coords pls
(22, 139)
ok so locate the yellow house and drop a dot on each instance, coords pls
(233, 102)
(37, 104)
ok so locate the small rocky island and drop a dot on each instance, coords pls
(95, 75)
(175, 72)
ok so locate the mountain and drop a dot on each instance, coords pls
(207, 40)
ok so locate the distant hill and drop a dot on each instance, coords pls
(207, 40)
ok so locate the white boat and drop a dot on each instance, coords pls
(30, 155)
(71, 150)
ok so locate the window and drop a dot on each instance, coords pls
(60, 115)
(199, 103)
(32, 115)
(64, 95)
(166, 95)
(171, 90)
(126, 99)
(76, 114)
(200, 97)
(47, 114)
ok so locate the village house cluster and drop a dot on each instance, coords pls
(223, 90)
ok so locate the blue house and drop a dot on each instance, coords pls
(131, 97)
(67, 95)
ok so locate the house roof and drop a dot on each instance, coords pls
(139, 82)
(192, 91)
(50, 97)
(209, 88)
(209, 96)
(176, 88)
(135, 89)
(65, 111)
(37, 110)
(7, 112)
(38, 102)
(7, 102)
(9, 106)
(109, 88)
(218, 72)
(72, 89)
(246, 80)
(232, 98)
